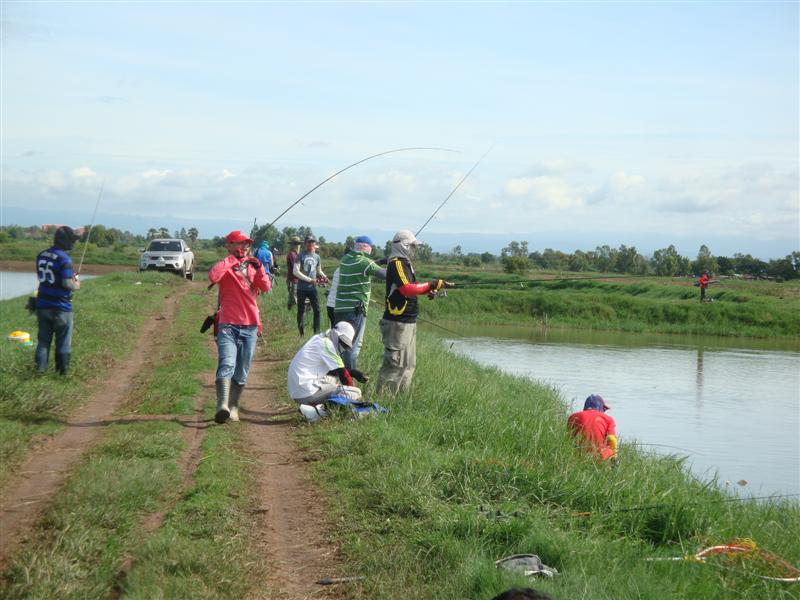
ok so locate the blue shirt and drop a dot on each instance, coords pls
(265, 256)
(53, 267)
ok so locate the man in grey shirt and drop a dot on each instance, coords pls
(308, 270)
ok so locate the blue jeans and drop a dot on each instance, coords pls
(359, 322)
(235, 346)
(52, 321)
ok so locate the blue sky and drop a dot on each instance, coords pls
(610, 123)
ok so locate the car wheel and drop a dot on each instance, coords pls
(190, 274)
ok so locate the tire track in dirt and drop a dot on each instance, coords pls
(44, 471)
(192, 435)
(292, 533)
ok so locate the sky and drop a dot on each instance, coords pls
(643, 124)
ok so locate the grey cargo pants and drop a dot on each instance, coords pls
(399, 356)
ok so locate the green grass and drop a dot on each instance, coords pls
(410, 489)
(741, 309)
(181, 352)
(203, 549)
(107, 310)
(77, 549)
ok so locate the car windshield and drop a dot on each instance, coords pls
(164, 246)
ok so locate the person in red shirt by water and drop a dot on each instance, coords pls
(703, 283)
(597, 429)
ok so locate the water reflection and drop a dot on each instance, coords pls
(738, 408)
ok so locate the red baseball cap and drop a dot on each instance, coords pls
(236, 236)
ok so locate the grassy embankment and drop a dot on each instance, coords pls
(94, 522)
(411, 490)
(663, 305)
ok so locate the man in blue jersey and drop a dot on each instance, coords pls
(54, 300)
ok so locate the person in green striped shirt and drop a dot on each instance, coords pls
(352, 295)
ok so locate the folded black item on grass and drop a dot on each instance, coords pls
(207, 323)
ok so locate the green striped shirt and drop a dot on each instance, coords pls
(355, 272)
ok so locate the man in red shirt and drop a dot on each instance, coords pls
(705, 279)
(598, 430)
(240, 279)
(291, 279)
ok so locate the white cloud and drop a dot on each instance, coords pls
(621, 181)
(550, 192)
(83, 172)
(156, 174)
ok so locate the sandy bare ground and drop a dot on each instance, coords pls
(46, 468)
(292, 531)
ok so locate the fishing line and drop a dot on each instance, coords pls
(429, 322)
(91, 226)
(701, 503)
(463, 179)
(667, 446)
(497, 282)
(327, 179)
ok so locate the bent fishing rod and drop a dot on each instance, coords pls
(340, 171)
(458, 185)
(358, 162)
(91, 226)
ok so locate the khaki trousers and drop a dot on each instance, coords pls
(399, 356)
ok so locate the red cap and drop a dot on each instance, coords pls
(237, 236)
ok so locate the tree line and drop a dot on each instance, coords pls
(513, 258)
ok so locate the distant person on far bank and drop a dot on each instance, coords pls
(240, 278)
(704, 281)
(595, 428)
(291, 280)
(399, 322)
(308, 270)
(54, 300)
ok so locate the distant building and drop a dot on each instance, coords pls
(51, 228)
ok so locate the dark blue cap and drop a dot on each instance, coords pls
(364, 239)
(595, 402)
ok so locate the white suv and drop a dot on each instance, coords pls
(168, 255)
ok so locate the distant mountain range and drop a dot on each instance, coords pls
(566, 241)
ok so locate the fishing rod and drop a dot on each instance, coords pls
(327, 179)
(463, 179)
(429, 322)
(91, 226)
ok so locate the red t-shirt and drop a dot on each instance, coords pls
(594, 426)
(291, 256)
(237, 296)
(704, 281)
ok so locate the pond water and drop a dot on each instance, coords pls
(732, 406)
(14, 284)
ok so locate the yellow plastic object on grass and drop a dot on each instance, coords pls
(21, 337)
